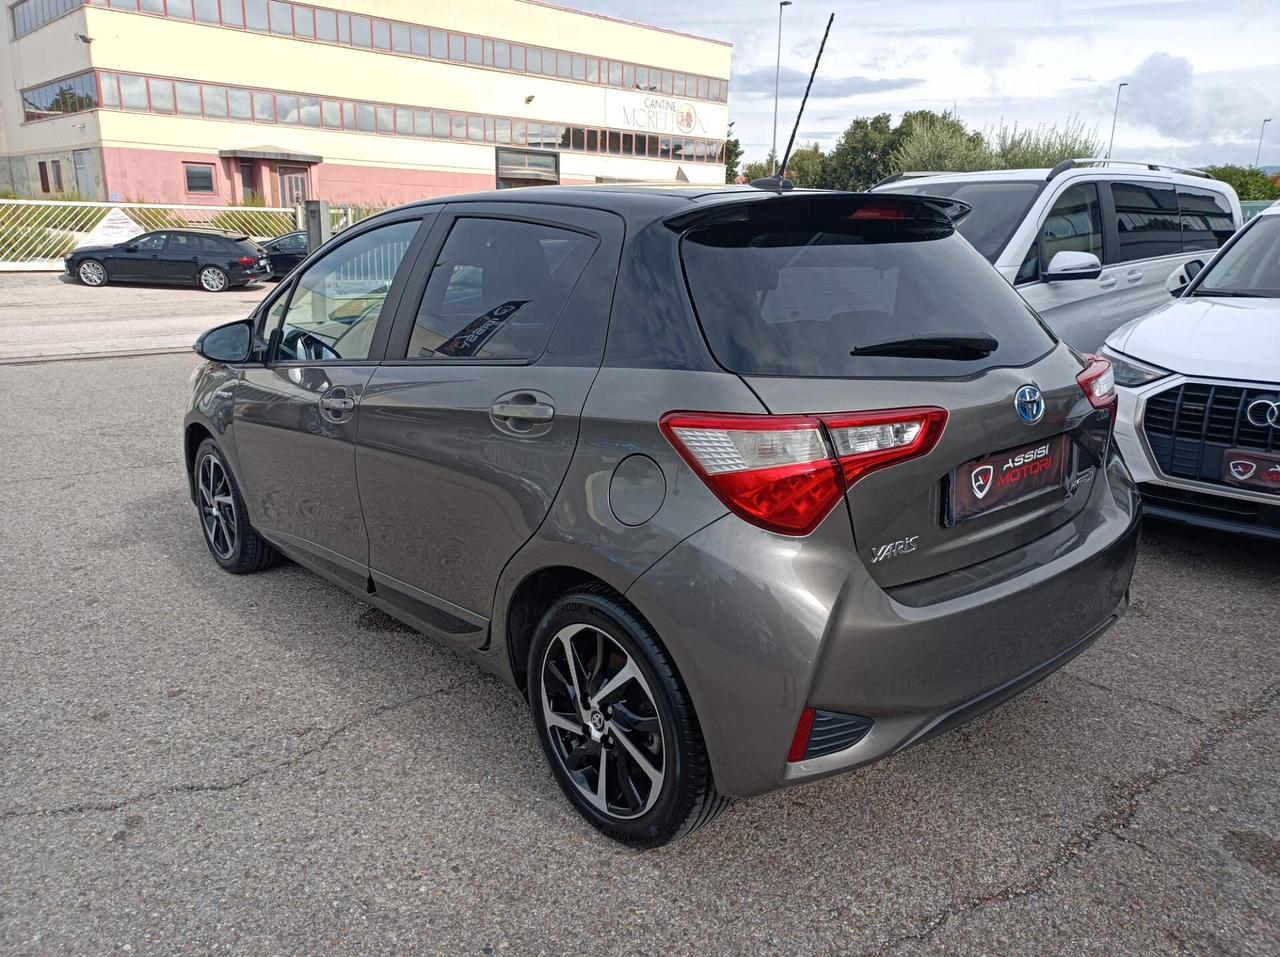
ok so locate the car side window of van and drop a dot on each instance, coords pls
(1207, 222)
(497, 290)
(1074, 223)
(1147, 220)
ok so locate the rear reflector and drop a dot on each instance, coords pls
(786, 472)
(800, 740)
(1098, 381)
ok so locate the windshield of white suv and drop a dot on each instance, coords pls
(1250, 266)
(998, 208)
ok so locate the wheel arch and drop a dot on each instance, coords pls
(192, 435)
(536, 593)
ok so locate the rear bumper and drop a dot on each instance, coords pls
(762, 626)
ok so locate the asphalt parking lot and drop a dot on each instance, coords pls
(43, 314)
(191, 762)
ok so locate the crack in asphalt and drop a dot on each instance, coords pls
(1116, 815)
(331, 735)
(1123, 692)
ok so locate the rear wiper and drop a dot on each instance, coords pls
(976, 345)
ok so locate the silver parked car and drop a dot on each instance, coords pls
(739, 488)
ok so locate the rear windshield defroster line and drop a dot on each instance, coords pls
(794, 291)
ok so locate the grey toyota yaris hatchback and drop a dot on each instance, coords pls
(739, 488)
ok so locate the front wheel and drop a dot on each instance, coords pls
(616, 723)
(212, 279)
(92, 273)
(232, 541)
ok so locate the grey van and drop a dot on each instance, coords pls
(739, 488)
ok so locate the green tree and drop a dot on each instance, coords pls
(805, 167)
(860, 158)
(732, 156)
(1248, 182)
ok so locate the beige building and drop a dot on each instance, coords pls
(370, 101)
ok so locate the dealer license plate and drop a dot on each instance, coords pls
(1259, 470)
(1006, 478)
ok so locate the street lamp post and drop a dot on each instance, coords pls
(1257, 160)
(773, 153)
(1115, 116)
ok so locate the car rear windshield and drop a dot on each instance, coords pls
(998, 208)
(247, 247)
(793, 288)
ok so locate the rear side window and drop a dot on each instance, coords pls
(497, 290)
(1206, 218)
(1147, 220)
(793, 290)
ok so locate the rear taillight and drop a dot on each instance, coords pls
(786, 472)
(246, 261)
(1098, 382)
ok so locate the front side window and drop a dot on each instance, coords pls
(497, 290)
(1147, 220)
(1251, 267)
(199, 178)
(334, 307)
(150, 243)
(1074, 223)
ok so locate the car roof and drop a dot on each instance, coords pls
(634, 201)
(1114, 171)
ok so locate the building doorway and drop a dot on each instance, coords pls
(293, 185)
(248, 189)
(84, 177)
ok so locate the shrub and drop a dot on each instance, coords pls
(1248, 182)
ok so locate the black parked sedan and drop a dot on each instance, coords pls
(285, 252)
(212, 259)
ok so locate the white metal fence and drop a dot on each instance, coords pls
(37, 234)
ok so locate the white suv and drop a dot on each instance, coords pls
(1090, 243)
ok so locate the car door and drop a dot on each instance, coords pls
(178, 261)
(296, 417)
(288, 252)
(1146, 246)
(1076, 309)
(468, 428)
(136, 259)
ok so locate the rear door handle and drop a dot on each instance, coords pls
(528, 411)
(1107, 282)
(337, 403)
(1133, 275)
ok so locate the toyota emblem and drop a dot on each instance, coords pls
(1029, 403)
(1262, 413)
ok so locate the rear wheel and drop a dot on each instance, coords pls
(212, 279)
(232, 541)
(616, 724)
(92, 273)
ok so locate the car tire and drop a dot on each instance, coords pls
(212, 279)
(91, 272)
(234, 544)
(645, 726)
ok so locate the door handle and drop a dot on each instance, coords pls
(1107, 282)
(527, 411)
(1133, 275)
(337, 403)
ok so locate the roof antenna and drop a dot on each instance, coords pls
(778, 180)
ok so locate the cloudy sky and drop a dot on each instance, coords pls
(1202, 73)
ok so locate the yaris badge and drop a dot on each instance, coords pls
(1030, 404)
(980, 479)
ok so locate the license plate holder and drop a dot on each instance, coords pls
(1250, 469)
(1001, 479)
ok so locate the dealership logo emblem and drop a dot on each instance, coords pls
(980, 479)
(1029, 403)
(686, 118)
(1242, 469)
(1263, 413)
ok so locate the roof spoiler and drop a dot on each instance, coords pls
(1105, 161)
(944, 209)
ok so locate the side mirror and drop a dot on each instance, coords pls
(1069, 264)
(227, 344)
(1181, 277)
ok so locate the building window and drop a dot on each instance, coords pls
(44, 176)
(199, 177)
(55, 170)
(75, 94)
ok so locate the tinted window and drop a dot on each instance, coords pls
(1251, 267)
(1206, 218)
(335, 304)
(497, 290)
(1074, 223)
(150, 242)
(1147, 220)
(794, 289)
(998, 209)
